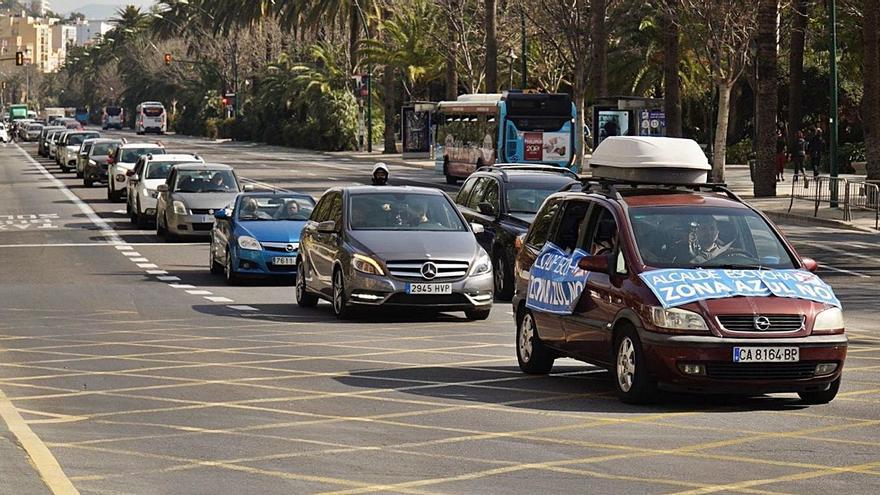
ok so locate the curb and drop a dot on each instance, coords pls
(804, 220)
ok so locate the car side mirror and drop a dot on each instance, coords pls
(134, 178)
(487, 208)
(327, 227)
(221, 214)
(247, 188)
(130, 173)
(162, 188)
(599, 264)
(810, 264)
(478, 228)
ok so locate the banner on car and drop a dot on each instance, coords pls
(556, 283)
(675, 287)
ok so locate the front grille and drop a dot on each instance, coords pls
(412, 269)
(761, 371)
(202, 227)
(746, 323)
(281, 268)
(280, 246)
(428, 299)
(202, 211)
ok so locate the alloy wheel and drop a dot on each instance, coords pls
(626, 364)
(338, 293)
(526, 333)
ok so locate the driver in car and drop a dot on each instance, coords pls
(703, 241)
(290, 211)
(218, 182)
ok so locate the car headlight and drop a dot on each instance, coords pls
(365, 264)
(483, 264)
(829, 321)
(179, 208)
(93, 163)
(248, 242)
(678, 319)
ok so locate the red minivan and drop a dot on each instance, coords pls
(681, 287)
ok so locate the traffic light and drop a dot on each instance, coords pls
(225, 101)
(19, 58)
(167, 59)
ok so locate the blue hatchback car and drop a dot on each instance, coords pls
(258, 235)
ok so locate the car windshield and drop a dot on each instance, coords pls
(131, 155)
(706, 237)
(403, 211)
(35, 127)
(194, 181)
(160, 170)
(521, 198)
(102, 148)
(275, 208)
(77, 139)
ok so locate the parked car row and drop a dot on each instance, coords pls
(644, 268)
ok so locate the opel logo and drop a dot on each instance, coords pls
(429, 270)
(210, 212)
(290, 248)
(762, 323)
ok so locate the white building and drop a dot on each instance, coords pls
(41, 6)
(90, 31)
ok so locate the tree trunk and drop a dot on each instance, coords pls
(671, 79)
(354, 31)
(600, 49)
(388, 87)
(796, 70)
(451, 53)
(765, 168)
(580, 96)
(491, 47)
(720, 147)
(871, 98)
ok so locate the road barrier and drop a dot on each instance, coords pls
(850, 194)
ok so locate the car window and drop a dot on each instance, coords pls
(707, 237)
(465, 190)
(336, 210)
(491, 195)
(567, 233)
(320, 213)
(159, 170)
(600, 233)
(205, 181)
(403, 211)
(540, 230)
(478, 192)
(275, 208)
(102, 149)
(527, 198)
(130, 155)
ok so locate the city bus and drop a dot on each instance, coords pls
(150, 117)
(82, 115)
(17, 112)
(514, 127)
(113, 117)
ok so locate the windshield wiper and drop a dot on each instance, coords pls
(738, 266)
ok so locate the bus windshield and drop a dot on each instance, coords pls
(153, 111)
(113, 111)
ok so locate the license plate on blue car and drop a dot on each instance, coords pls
(284, 260)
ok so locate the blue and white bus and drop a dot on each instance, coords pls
(484, 129)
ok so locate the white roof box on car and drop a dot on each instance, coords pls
(650, 159)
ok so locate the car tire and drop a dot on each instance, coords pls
(79, 175)
(216, 268)
(140, 217)
(502, 275)
(303, 298)
(87, 182)
(477, 314)
(533, 356)
(341, 307)
(109, 193)
(631, 378)
(232, 278)
(821, 396)
(160, 229)
(64, 168)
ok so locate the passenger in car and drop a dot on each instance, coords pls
(603, 243)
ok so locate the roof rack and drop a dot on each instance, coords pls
(610, 188)
(537, 168)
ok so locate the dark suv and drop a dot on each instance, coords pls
(684, 288)
(504, 200)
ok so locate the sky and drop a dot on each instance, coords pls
(68, 5)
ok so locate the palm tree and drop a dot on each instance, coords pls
(765, 171)
(871, 84)
(491, 17)
(800, 16)
(671, 78)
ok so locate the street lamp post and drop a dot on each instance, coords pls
(369, 83)
(832, 118)
(511, 57)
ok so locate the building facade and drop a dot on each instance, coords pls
(33, 36)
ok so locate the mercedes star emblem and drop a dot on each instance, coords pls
(429, 270)
(762, 323)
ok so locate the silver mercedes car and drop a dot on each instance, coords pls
(186, 202)
(370, 246)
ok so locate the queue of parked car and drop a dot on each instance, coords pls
(644, 268)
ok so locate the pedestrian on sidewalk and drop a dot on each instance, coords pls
(798, 154)
(780, 156)
(817, 144)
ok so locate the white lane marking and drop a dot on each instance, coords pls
(147, 265)
(218, 299)
(242, 307)
(120, 212)
(182, 286)
(199, 292)
(157, 272)
(131, 253)
(168, 278)
(841, 270)
(332, 178)
(843, 252)
(124, 248)
(105, 228)
(139, 260)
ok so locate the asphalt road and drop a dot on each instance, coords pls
(126, 368)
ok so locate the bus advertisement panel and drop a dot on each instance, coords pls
(484, 129)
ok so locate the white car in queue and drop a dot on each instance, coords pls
(121, 161)
(150, 171)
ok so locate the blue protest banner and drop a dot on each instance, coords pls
(676, 287)
(556, 283)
